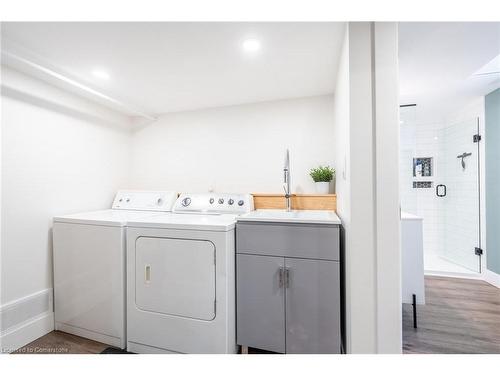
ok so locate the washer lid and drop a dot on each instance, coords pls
(209, 222)
(116, 218)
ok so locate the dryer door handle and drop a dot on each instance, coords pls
(147, 273)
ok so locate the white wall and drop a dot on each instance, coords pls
(341, 141)
(54, 161)
(360, 241)
(387, 203)
(371, 213)
(236, 149)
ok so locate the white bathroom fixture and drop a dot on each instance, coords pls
(89, 265)
(181, 276)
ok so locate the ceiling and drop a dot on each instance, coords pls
(437, 62)
(165, 67)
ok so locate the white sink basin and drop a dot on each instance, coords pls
(295, 216)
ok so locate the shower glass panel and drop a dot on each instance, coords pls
(439, 182)
(459, 210)
(407, 150)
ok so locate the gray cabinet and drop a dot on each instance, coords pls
(288, 301)
(261, 302)
(312, 306)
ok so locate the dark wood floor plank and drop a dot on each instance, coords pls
(460, 316)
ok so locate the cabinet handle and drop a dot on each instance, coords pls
(280, 277)
(287, 277)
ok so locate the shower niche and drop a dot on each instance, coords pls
(423, 169)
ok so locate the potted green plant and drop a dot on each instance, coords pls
(322, 177)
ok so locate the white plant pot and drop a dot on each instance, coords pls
(322, 187)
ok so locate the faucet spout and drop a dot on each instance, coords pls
(286, 182)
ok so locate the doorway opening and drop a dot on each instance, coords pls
(446, 72)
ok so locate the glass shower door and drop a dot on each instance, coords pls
(457, 192)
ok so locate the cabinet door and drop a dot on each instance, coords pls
(312, 306)
(260, 302)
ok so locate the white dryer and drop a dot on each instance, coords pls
(181, 276)
(89, 265)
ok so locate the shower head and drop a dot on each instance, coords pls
(463, 156)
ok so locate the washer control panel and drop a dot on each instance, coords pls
(221, 203)
(144, 200)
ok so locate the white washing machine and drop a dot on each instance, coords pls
(181, 276)
(89, 265)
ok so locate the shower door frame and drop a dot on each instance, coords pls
(481, 207)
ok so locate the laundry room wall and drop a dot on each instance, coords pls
(237, 148)
(59, 154)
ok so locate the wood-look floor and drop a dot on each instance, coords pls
(57, 342)
(460, 316)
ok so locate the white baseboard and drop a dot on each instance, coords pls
(458, 275)
(492, 278)
(119, 342)
(23, 334)
(26, 319)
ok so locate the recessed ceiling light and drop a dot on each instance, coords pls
(101, 74)
(251, 45)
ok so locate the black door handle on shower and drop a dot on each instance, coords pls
(441, 192)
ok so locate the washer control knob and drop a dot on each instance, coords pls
(186, 201)
(221, 200)
(212, 200)
(241, 202)
(159, 201)
(127, 200)
(230, 201)
(120, 200)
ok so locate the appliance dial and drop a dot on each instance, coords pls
(230, 201)
(127, 200)
(241, 202)
(211, 200)
(221, 200)
(159, 201)
(186, 201)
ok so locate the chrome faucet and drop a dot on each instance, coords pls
(286, 182)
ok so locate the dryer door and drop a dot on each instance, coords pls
(175, 276)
